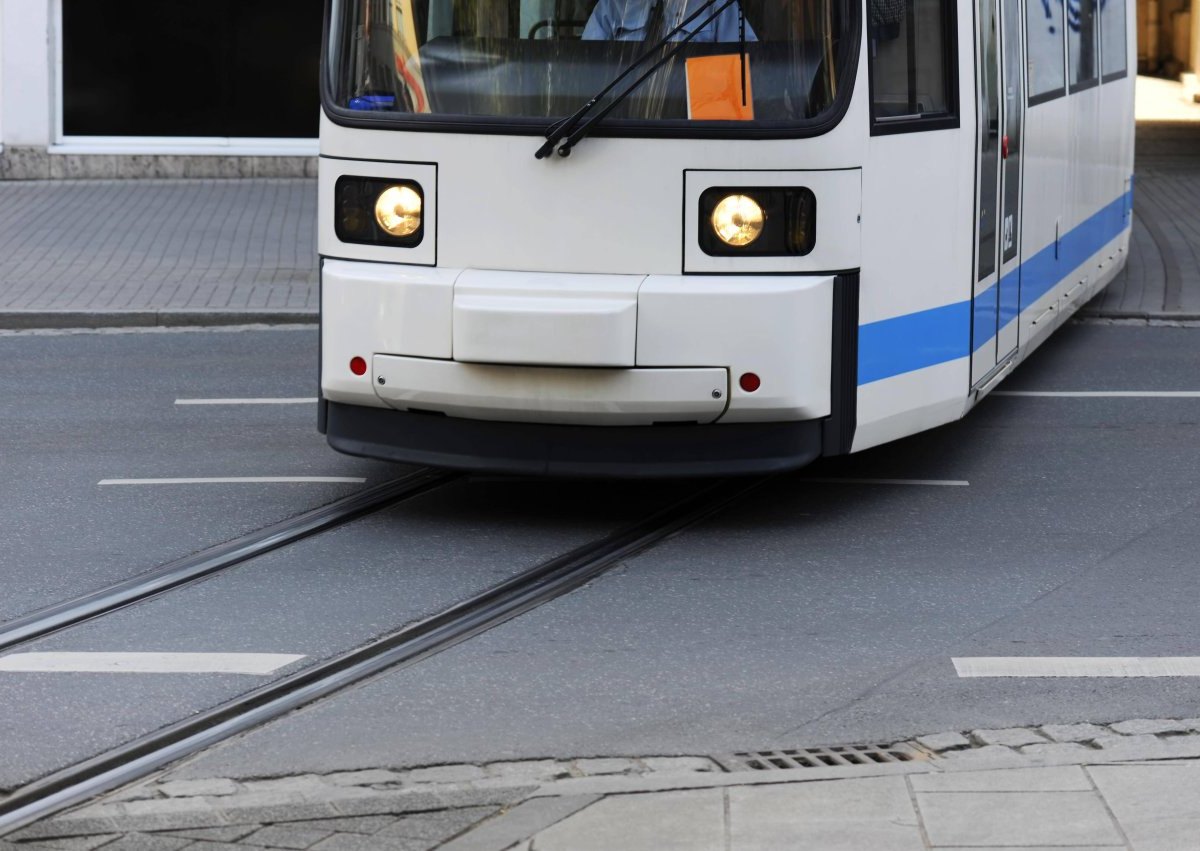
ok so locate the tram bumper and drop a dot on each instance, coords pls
(535, 373)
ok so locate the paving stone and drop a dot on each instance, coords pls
(528, 769)
(1113, 742)
(1191, 723)
(386, 802)
(987, 752)
(300, 785)
(65, 826)
(873, 813)
(696, 764)
(147, 842)
(1012, 737)
(1059, 778)
(271, 813)
(939, 742)
(287, 836)
(1058, 750)
(358, 842)
(205, 845)
(196, 788)
(69, 843)
(369, 777)
(144, 792)
(500, 797)
(1016, 818)
(523, 820)
(607, 765)
(217, 834)
(1073, 732)
(668, 821)
(1156, 805)
(439, 825)
(1149, 726)
(445, 774)
(348, 824)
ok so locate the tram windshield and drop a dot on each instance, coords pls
(518, 62)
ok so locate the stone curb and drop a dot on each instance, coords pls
(21, 320)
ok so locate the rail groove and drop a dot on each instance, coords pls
(215, 559)
(405, 646)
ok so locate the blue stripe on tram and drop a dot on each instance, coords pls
(926, 338)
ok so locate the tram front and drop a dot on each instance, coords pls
(520, 276)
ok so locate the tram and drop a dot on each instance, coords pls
(704, 237)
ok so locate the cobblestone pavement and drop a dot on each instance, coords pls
(158, 246)
(1162, 276)
(1130, 784)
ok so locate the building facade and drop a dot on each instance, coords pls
(128, 88)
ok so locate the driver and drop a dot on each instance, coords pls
(631, 20)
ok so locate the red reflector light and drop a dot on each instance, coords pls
(358, 366)
(749, 382)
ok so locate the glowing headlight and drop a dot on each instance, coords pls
(398, 210)
(738, 220)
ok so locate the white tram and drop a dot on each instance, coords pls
(789, 228)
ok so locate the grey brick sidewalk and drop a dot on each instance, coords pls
(157, 251)
(1131, 784)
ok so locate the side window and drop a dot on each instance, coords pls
(913, 65)
(1081, 44)
(1113, 40)
(1044, 34)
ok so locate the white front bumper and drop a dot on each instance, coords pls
(583, 349)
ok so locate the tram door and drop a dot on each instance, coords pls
(1001, 99)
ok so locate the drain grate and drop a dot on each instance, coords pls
(836, 757)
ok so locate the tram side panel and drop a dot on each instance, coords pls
(915, 292)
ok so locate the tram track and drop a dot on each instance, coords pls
(402, 647)
(216, 559)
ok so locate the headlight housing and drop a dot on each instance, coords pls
(379, 211)
(769, 221)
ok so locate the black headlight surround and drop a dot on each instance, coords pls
(354, 211)
(789, 226)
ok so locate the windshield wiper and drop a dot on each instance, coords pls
(567, 127)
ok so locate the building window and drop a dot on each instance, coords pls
(1044, 35)
(1113, 39)
(913, 65)
(1081, 43)
(219, 68)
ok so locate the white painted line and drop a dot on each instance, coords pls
(1078, 666)
(944, 483)
(148, 663)
(299, 400)
(234, 480)
(1103, 394)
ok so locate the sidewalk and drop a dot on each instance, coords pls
(207, 252)
(1132, 785)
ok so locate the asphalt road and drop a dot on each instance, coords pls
(808, 613)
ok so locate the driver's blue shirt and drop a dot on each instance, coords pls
(627, 20)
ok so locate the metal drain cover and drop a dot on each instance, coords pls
(843, 756)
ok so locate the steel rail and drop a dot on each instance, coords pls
(215, 559)
(403, 647)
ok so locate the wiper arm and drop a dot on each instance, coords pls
(567, 126)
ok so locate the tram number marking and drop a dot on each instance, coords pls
(1007, 236)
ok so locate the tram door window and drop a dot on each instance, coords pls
(913, 82)
(1044, 37)
(1113, 44)
(1081, 43)
(999, 91)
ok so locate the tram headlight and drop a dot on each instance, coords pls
(398, 210)
(738, 220)
(379, 211)
(767, 221)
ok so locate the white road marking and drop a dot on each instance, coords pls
(298, 400)
(1078, 666)
(945, 483)
(1103, 394)
(148, 663)
(234, 480)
